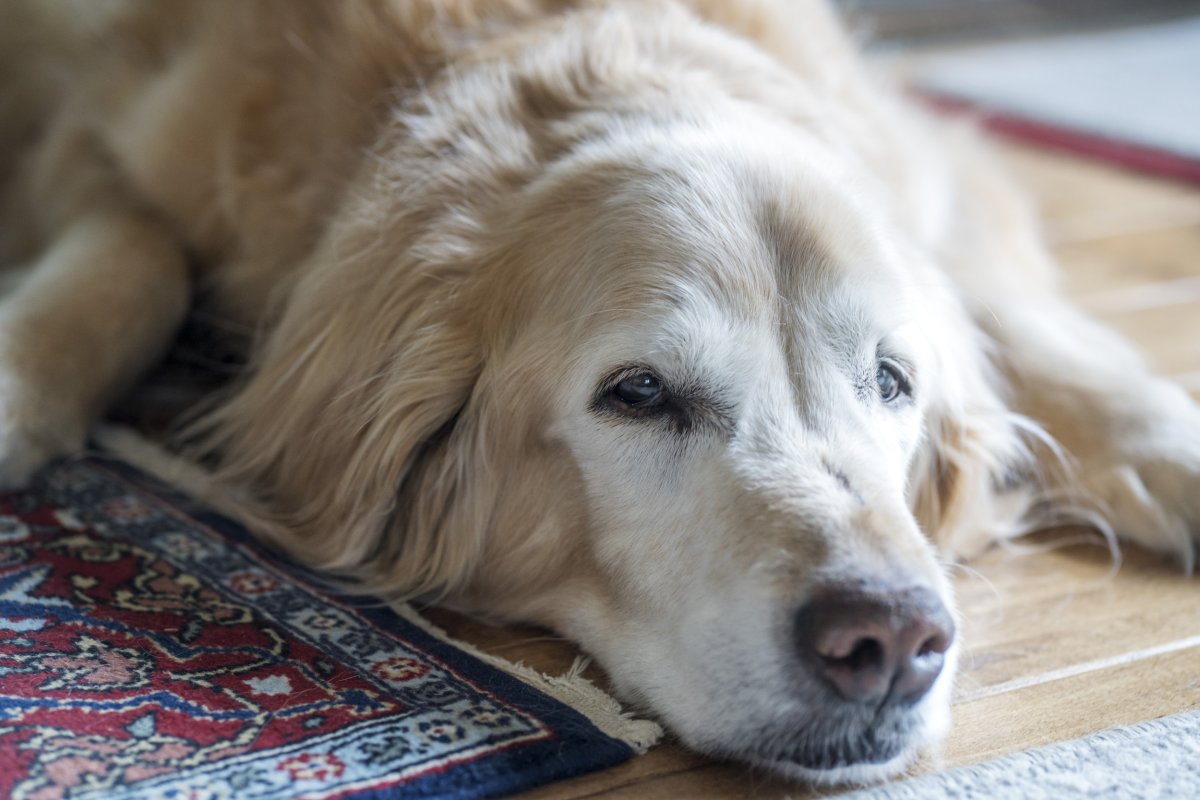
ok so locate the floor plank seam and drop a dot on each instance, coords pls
(643, 781)
(1074, 670)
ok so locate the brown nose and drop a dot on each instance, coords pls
(874, 644)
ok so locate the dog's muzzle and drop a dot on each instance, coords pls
(868, 653)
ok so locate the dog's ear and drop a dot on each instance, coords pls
(965, 492)
(349, 444)
(970, 485)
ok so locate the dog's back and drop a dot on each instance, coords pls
(242, 122)
(233, 121)
(32, 45)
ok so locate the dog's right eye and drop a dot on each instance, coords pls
(638, 391)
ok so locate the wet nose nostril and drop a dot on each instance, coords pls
(938, 643)
(861, 653)
(867, 654)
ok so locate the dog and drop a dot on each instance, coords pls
(663, 324)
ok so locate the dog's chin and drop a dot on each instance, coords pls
(874, 767)
(844, 759)
(882, 751)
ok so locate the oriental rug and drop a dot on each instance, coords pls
(149, 649)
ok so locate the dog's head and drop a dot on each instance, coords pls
(676, 396)
(717, 371)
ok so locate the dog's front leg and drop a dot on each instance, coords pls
(1133, 438)
(96, 310)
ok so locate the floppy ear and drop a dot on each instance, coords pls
(965, 481)
(351, 441)
(970, 482)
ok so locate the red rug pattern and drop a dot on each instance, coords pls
(150, 652)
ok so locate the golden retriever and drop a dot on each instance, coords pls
(659, 323)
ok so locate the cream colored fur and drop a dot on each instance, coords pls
(451, 222)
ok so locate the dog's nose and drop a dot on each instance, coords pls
(876, 644)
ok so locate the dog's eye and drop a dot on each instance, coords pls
(892, 383)
(642, 390)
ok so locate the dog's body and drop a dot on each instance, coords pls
(660, 324)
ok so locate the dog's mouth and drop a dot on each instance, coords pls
(839, 751)
(871, 746)
(832, 754)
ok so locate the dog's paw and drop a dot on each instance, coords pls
(21, 455)
(1144, 509)
(30, 441)
(1153, 495)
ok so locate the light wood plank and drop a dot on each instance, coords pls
(1083, 199)
(1067, 709)
(667, 765)
(1097, 273)
(712, 782)
(1037, 613)
(1169, 336)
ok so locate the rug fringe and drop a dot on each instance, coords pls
(571, 689)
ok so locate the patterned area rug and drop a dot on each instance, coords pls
(151, 652)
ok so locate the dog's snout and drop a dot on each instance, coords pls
(875, 645)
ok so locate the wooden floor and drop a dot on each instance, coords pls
(1055, 644)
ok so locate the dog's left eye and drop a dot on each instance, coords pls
(642, 390)
(892, 383)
